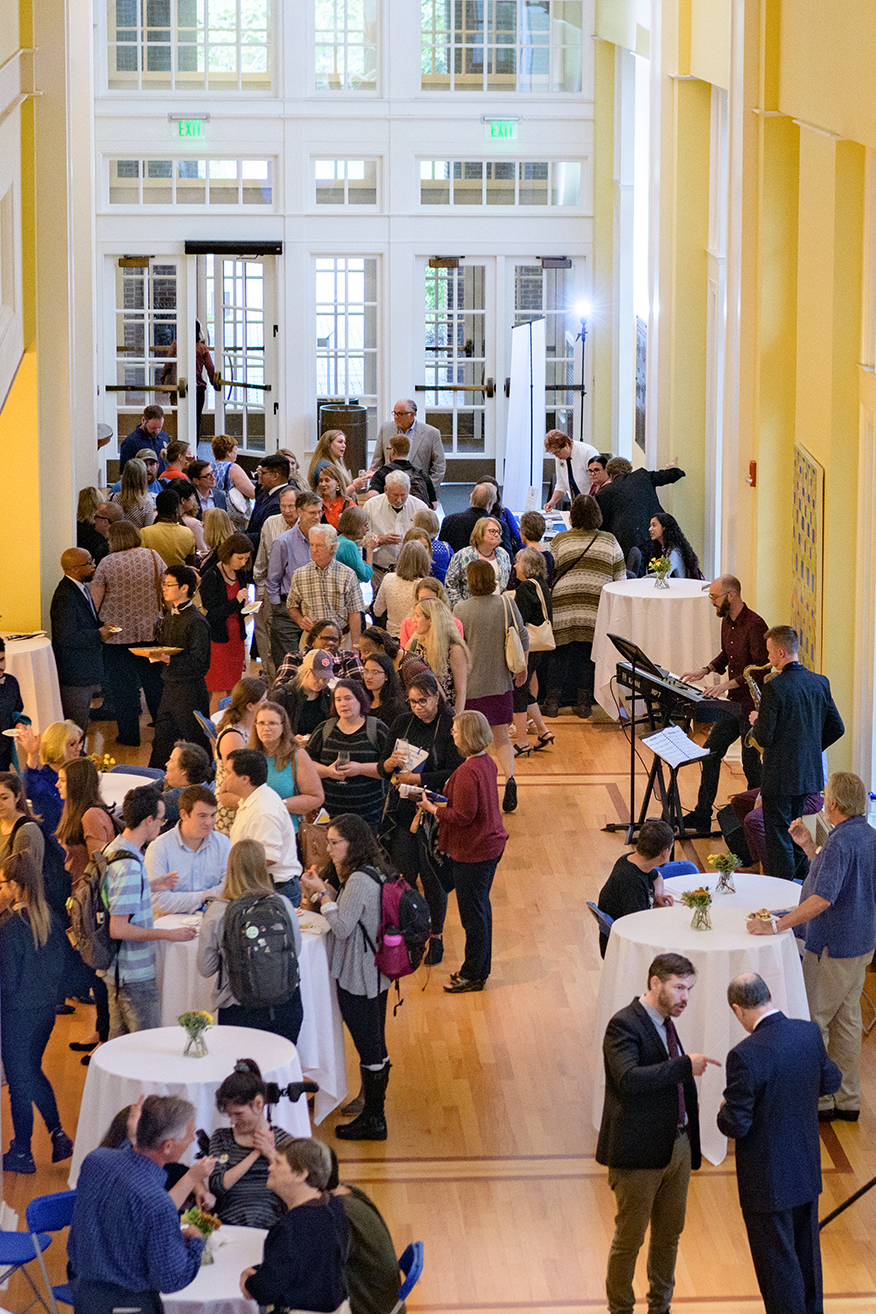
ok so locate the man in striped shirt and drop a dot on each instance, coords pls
(326, 590)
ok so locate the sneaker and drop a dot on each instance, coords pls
(18, 1160)
(509, 800)
(62, 1146)
(434, 951)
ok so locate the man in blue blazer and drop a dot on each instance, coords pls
(775, 1078)
(77, 637)
(200, 473)
(796, 721)
(650, 1132)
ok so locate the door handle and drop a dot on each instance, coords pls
(488, 387)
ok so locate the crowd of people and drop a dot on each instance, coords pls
(373, 737)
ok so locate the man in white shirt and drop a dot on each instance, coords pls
(194, 851)
(571, 461)
(262, 815)
(390, 516)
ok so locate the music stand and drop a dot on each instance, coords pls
(640, 661)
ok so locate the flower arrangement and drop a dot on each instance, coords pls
(195, 1023)
(103, 761)
(725, 864)
(206, 1224)
(700, 900)
(660, 568)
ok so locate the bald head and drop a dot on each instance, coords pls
(725, 595)
(483, 496)
(749, 997)
(78, 564)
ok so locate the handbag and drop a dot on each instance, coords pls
(541, 637)
(313, 843)
(515, 657)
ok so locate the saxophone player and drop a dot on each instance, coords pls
(743, 644)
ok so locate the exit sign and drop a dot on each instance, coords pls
(190, 128)
(501, 129)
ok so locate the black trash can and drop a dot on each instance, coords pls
(351, 419)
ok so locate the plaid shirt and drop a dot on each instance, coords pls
(347, 665)
(330, 593)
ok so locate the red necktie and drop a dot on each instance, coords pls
(675, 1052)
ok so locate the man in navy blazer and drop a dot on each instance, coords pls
(796, 721)
(775, 1078)
(650, 1132)
(77, 636)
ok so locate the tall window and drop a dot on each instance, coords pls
(146, 337)
(189, 45)
(549, 294)
(501, 45)
(346, 45)
(455, 356)
(346, 332)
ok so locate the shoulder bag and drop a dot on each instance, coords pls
(562, 571)
(515, 657)
(541, 637)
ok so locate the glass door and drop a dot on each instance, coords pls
(239, 300)
(147, 362)
(554, 295)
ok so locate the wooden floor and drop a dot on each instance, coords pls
(490, 1153)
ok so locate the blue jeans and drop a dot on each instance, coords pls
(134, 1006)
(25, 1035)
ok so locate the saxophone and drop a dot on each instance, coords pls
(748, 677)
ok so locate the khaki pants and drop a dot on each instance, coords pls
(647, 1195)
(833, 988)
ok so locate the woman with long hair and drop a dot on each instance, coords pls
(381, 680)
(348, 894)
(126, 590)
(291, 773)
(233, 731)
(18, 825)
(485, 545)
(334, 501)
(428, 587)
(345, 750)
(31, 968)
(395, 597)
(133, 497)
(223, 594)
(669, 541)
(217, 527)
(41, 803)
(330, 451)
(85, 827)
(437, 640)
(87, 534)
(471, 833)
(247, 875)
(533, 599)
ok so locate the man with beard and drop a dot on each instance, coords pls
(743, 643)
(650, 1132)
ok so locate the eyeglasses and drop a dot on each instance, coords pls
(418, 702)
(333, 843)
(401, 414)
(106, 518)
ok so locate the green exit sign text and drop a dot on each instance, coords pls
(190, 128)
(501, 129)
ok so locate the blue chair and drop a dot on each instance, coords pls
(226, 702)
(411, 1264)
(206, 725)
(51, 1213)
(603, 921)
(680, 868)
(17, 1250)
(152, 773)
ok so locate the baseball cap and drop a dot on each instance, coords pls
(320, 662)
(146, 454)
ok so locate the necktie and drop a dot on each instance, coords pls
(674, 1052)
(573, 486)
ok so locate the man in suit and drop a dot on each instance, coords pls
(427, 449)
(650, 1132)
(200, 473)
(797, 720)
(571, 462)
(456, 528)
(77, 636)
(273, 477)
(629, 501)
(774, 1080)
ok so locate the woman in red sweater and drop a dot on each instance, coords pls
(471, 833)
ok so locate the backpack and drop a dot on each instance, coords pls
(404, 929)
(418, 486)
(258, 951)
(89, 912)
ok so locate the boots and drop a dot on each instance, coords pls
(371, 1124)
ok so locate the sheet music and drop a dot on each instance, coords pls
(674, 746)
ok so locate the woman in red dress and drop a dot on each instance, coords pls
(223, 594)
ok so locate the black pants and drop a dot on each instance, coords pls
(176, 718)
(404, 852)
(281, 1020)
(784, 858)
(523, 695)
(366, 1022)
(106, 1297)
(25, 1035)
(729, 724)
(787, 1259)
(126, 675)
(573, 662)
(473, 883)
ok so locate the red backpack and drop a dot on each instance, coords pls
(404, 930)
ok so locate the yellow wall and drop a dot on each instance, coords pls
(710, 41)
(19, 501)
(828, 65)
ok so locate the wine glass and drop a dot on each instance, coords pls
(343, 760)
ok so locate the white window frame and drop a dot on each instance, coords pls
(519, 46)
(584, 205)
(372, 92)
(346, 207)
(177, 207)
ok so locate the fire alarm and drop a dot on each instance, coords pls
(752, 473)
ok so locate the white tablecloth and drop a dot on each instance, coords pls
(677, 628)
(216, 1289)
(32, 662)
(152, 1063)
(707, 1026)
(752, 891)
(321, 1042)
(114, 785)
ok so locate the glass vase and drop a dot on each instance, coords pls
(196, 1045)
(661, 582)
(701, 920)
(726, 884)
(207, 1256)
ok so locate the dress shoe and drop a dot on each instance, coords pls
(85, 1060)
(434, 951)
(459, 985)
(509, 799)
(583, 709)
(696, 821)
(826, 1115)
(18, 1160)
(84, 1046)
(847, 1115)
(551, 706)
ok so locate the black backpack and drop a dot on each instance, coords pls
(89, 912)
(258, 950)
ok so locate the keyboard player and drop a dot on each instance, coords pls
(743, 643)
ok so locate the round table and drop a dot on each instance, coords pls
(114, 785)
(216, 1289)
(678, 628)
(707, 1026)
(321, 1040)
(32, 662)
(152, 1063)
(752, 891)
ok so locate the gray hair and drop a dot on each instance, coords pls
(163, 1118)
(399, 478)
(483, 496)
(305, 1154)
(748, 991)
(326, 532)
